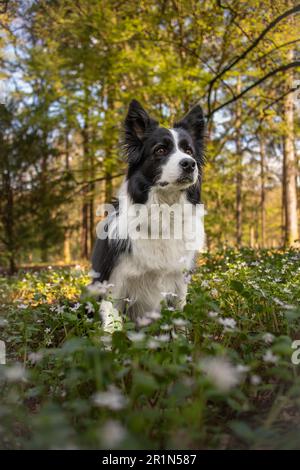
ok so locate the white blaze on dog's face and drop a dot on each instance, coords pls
(180, 168)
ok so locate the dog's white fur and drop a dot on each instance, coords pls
(171, 171)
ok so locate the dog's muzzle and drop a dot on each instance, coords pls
(188, 168)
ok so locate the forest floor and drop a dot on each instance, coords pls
(218, 375)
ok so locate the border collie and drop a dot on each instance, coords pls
(138, 269)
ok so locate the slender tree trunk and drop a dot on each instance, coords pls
(45, 214)
(85, 192)
(252, 237)
(289, 166)
(84, 230)
(262, 191)
(8, 222)
(108, 163)
(91, 215)
(239, 171)
(67, 232)
(283, 199)
(108, 187)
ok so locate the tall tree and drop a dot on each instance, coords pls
(290, 165)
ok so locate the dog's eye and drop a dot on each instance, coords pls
(189, 151)
(161, 151)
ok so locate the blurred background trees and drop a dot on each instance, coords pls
(68, 71)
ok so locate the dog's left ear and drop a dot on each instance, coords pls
(194, 123)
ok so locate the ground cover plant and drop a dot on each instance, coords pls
(218, 375)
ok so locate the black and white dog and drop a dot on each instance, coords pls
(137, 269)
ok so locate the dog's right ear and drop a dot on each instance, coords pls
(137, 124)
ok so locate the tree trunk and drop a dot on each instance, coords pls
(44, 245)
(283, 199)
(262, 190)
(84, 230)
(85, 192)
(67, 231)
(239, 171)
(108, 187)
(289, 166)
(8, 221)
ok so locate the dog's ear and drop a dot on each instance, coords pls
(137, 124)
(194, 123)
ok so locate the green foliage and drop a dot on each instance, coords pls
(218, 375)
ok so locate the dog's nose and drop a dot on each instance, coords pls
(188, 165)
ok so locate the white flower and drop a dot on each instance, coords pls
(204, 284)
(112, 399)
(153, 315)
(171, 309)
(255, 379)
(94, 40)
(213, 314)
(23, 306)
(135, 336)
(162, 338)
(241, 368)
(106, 339)
(112, 434)
(268, 338)
(228, 323)
(48, 342)
(60, 309)
(47, 330)
(153, 344)
(221, 372)
(144, 321)
(35, 357)
(93, 274)
(214, 292)
(15, 373)
(99, 288)
(270, 357)
(165, 327)
(90, 307)
(179, 322)
(75, 307)
(3, 322)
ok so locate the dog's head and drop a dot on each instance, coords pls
(168, 159)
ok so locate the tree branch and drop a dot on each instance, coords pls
(291, 11)
(282, 68)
